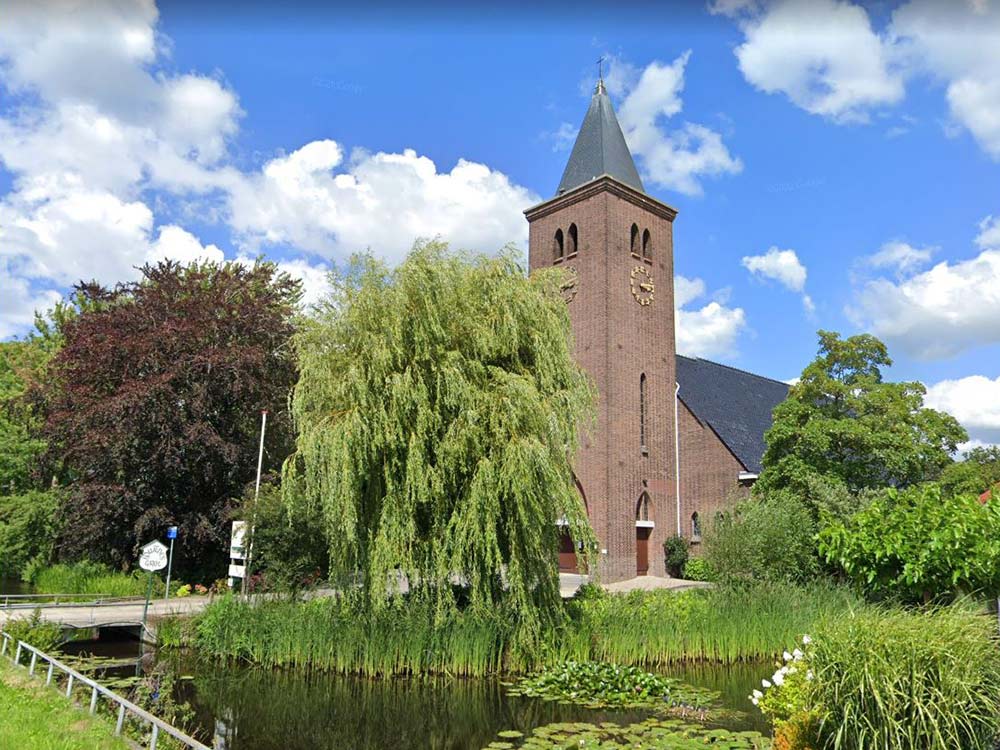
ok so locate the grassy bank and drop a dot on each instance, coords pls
(35, 718)
(92, 578)
(642, 628)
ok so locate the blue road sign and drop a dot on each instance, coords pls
(171, 532)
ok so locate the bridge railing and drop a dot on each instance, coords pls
(14, 649)
(30, 601)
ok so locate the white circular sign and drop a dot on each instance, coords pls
(153, 556)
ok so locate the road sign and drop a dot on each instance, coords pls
(237, 571)
(153, 557)
(237, 539)
(171, 532)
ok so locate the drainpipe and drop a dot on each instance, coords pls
(677, 455)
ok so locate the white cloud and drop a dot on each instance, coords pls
(710, 331)
(177, 244)
(676, 159)
(784, 267)
(314, 200)
(315, 280)
(901, 256)
(563, 137)
(974, 401)
(18, 302)
(939, 312)
(822, 54)
(989, 233)
(959, 44)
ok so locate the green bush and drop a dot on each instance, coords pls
(908, 680)
(698, 569)
(769, 539)
(91, 578)
(675, 554)
(33, 630)
(27, 530)
(919, 544)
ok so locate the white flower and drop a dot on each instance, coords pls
(755, 701)
(796, 654)
(757, 694)
(809, 674)
(765, 683)
(786, 656)
(806, 640)
(778, 678)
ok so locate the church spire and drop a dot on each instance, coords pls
(600, 148)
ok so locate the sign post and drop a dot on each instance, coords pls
(153, 557)
(237, 552)
(171, 535)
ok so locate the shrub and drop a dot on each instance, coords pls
(918, 544)
(675, 554)
(767, 539)
(33, 630)
(91, 578)
(27, 530)
(698, 569)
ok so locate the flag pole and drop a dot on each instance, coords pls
(256, 495)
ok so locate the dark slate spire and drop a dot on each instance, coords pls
(600, 148)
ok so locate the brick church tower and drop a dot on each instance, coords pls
(617, 244)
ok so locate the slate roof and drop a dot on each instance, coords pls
(600, 148)
(736, 404)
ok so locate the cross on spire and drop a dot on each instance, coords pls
(600, 68)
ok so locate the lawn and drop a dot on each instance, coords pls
(33, 717)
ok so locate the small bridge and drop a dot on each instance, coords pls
(75, 612)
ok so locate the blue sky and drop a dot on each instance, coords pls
(834, 165)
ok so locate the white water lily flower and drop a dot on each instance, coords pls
(765, 683)
(779, 678)
(809, 674)
(755, 701)
(796, 654)
(757, 694)
(786, 656)
(806, 640)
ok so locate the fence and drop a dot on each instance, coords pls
(125, 707)
(30, 601)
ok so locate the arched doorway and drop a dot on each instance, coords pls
(568, 547)
(643, 529)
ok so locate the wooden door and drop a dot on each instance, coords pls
(641, 551)
(567, 553)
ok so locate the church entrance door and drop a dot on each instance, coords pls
(567, 553)
(641, 551)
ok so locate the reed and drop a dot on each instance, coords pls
(91, 578)
(908, 679)
(642, 629)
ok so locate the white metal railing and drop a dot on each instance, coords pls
(125, 707)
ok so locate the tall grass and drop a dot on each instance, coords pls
(91, 578)
(643, 628)
(907, 680)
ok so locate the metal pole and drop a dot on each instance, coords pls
(677, 456)
(170, 565)
(145, 607)
(256, 494)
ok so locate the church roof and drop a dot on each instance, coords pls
(736, 404)
(600, 148)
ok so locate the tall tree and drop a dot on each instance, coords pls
(154, 405)
(842, 424)
(977, 472)
(437, 410)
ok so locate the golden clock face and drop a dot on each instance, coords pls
(641, 283)
(570, 284)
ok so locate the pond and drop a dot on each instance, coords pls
(239, 707)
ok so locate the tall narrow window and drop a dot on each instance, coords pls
(642, 413)
(634, 244)
(695, 527)
(647, 246)
(557, 246)
(572, 244)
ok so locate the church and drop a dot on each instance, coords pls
(676, 438)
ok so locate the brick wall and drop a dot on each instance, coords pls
(709, 472)
(617, 339)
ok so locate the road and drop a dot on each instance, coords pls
(104, 615)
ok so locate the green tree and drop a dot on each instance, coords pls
(437, 410)
(844, 425)
(978, 471)
(919, 544)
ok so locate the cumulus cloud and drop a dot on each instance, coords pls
(709, 331)
(821, 54)
(677, 158)
(900, 256)
(784, 267)
(939, 312)
(974, 401)
(828, 59)
(102, 139)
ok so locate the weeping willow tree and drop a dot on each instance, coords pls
(437, 410)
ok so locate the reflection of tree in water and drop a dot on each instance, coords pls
(264, 710)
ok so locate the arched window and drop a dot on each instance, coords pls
(642, 412)
(572, 244)
(695, 527)
(557, 245)
(647, 246)
(634, 244)
(642, 508)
